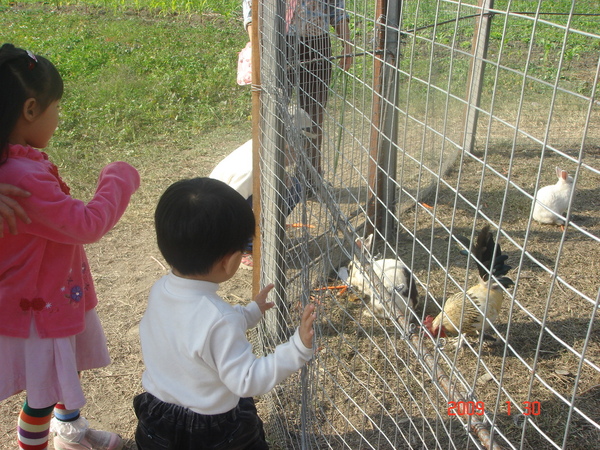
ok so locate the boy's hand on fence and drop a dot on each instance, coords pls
(261, 298)
(306, 325)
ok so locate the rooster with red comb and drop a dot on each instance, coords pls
(466, 314)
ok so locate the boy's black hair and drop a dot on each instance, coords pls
(23, 75)
(199, 221)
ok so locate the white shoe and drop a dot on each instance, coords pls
(77, 435)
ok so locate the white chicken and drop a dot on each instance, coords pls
(399, 287)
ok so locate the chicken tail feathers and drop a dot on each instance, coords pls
(506, 282)
(483, 251)
(500, 268)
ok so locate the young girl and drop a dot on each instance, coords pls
(49, 330)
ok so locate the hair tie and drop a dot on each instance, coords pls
(33, 61)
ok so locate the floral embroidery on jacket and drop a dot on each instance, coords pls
(76, 294)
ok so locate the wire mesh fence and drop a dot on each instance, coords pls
(455, 115)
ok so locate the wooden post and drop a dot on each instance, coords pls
(481, 37)
(271, 168)
(256, 194)
(384, 128)
(374, 209)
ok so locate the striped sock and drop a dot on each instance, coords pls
(33, 427)
(65, 415)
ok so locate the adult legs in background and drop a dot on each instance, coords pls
(311, 69)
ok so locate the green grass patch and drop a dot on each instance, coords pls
(134, 81)
(225, 8)
(145, 75)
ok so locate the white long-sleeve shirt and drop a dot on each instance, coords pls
(196, 352)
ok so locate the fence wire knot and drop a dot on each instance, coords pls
(440, 343)
(411, 330)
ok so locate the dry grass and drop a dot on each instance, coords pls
(369, 390)
(364, 370)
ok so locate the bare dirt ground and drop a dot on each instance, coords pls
(125, 264)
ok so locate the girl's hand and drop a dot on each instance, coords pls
(307, 321)
(10, 208)
(261, 299)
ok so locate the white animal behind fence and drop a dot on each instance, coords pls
(551, 202)
(388, 282)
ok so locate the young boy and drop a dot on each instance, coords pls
(200, 370)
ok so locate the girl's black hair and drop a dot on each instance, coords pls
(199, 221)
(23, 75)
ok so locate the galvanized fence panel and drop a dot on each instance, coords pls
(457, 123)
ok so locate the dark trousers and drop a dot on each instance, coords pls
(310, 67)
(166, 426)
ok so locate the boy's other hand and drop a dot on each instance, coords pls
(261, 298)
(306, 325)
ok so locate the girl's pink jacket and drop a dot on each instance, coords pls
(44, 272)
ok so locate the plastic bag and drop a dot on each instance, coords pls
(244, 69)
